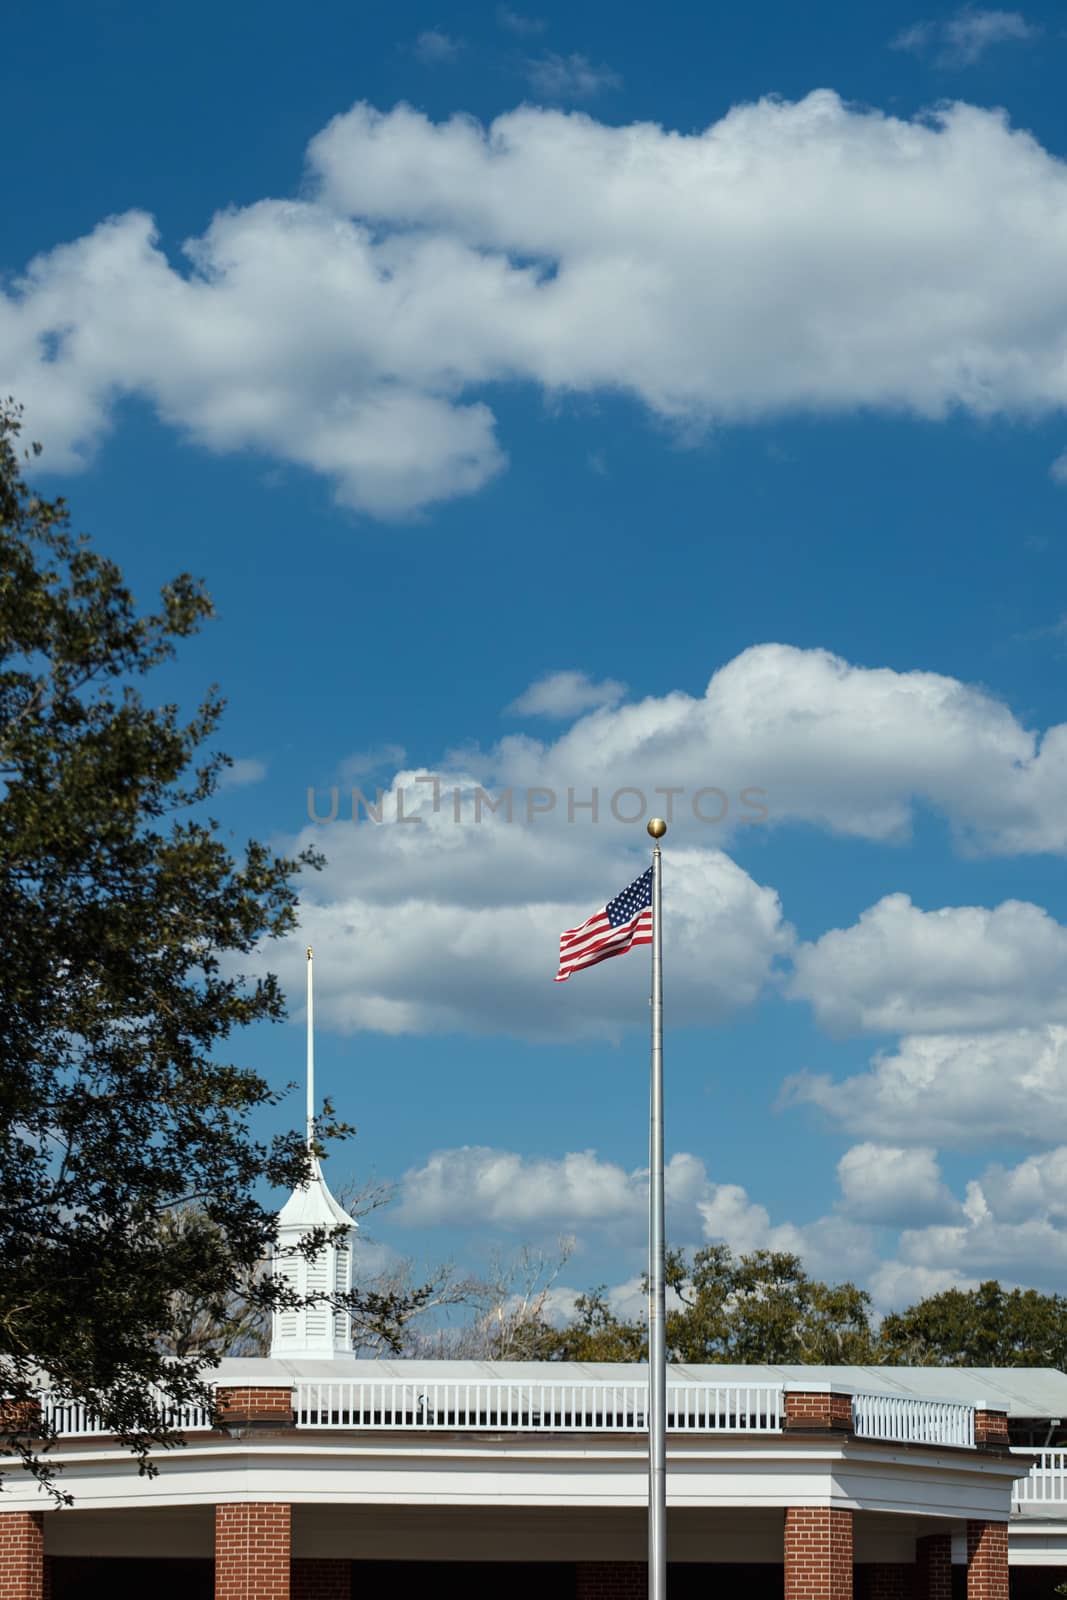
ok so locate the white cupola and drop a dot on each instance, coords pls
(318, 1331)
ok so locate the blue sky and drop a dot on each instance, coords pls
(719, 364)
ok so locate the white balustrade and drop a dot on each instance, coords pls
(1046, 1484)
(74, 1421)
(594, 1407)
(905, 1421)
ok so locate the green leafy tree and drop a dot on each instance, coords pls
(762, 1307)
(985, 1327)
(594, 1333)
(124, 919)
(724, 1308)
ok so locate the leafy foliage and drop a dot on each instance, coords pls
(762, 1307)
(985, 1327)
(125, 918)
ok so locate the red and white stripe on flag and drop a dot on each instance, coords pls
(622, 923)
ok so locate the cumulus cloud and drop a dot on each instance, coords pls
(566, 694)
(894, 1187)
(457, 925)
(810, 738)
(962, 39)
(515, 22)
(476, 1184)
(480, 1185)
(1010, 1226)
(457, 908)
(893, 1285)
(364, 763)
(358, 331)
(953, 1089)
(572, 77)
(903, 970)
(243, 772)
(436, 48)
(1058, 470)
(1037, 1186)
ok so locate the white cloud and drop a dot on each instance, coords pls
(364, 763)
(1011, 1227)
(1058, 470)
(572, 77)
(356, 331)
(479, 1185)
(1033, 1252)
(902, 970)
(1037, 1185)
(565, 695)
(240, 773)
(894, 1187)
(457, 926)
(915, 38)
(436, 48)
(851, 749)
(962, 39)
(457, 921)
(893, 1285)
(978, 1088)
(515, 22)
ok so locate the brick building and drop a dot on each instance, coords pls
(331, 1477)
(485, 1478)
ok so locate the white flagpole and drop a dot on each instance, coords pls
(311, 1058)
(657, 1299)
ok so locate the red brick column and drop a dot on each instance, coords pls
(933, 1559)
(810, 1409)
(611, 1580)
(991, 1427)
(890, 1580)
(818, 1553)
(21, 1555)
(252, 1552)
(322, 1580)
(262, 1405)
(987, 1561)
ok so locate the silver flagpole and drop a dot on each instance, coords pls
(657, 1299)
(311, 1057)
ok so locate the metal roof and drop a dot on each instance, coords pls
(1021, 1391)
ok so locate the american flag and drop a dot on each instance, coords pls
(623, 922)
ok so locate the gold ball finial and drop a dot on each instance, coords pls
(657, 827)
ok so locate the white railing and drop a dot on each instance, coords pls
(73, 1421)
(537, 1407)
(885, 1416)
(1046, 1484)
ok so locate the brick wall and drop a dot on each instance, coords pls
(805, 1410)
(21, 1555)
(991, 1427)
(20, 1416)
(987, 1561)
(611, 1580)
(321, 1580)
(933, 1560)
(252, 1552)
(818, 1553)
(269, 1404)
